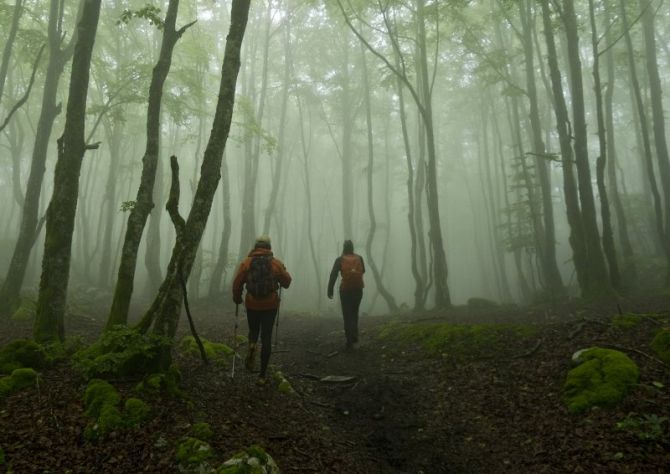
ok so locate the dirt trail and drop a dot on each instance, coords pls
(403, 412)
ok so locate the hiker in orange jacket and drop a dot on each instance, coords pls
(351, 267)
(262, 275)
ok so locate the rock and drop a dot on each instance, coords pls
(252, 460)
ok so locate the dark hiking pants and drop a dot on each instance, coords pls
(261, 322)
(351, 301)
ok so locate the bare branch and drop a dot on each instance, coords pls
(26, 94)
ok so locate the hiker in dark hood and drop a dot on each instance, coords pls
(262, 275)
(351, 267)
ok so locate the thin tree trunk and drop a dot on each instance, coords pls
(601, 163)
(137, 219)
(388, 297)
(629, 271)
(164, 312)
(219, 272)
(49, 319)
(9, 44)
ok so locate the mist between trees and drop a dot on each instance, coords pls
(508, 150)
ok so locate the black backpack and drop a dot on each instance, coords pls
(260, 280)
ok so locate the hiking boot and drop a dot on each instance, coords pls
(251, 358)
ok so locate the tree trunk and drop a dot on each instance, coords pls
(49, 319)
(644, 130)
(601, 162)
(9, 44)
(11, 288)
(547, 251)
(629, 276)
(219, 272)
(137, 219)
(164, 312)
(598, 282)
(660, 141)
(574, 216)
(388, 297)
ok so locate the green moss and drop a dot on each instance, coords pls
(135, 411)
(98, 394)
(161, 384)
(110, 419)
(19, 379)
(202, 431)
(284, 385)
(22, 353)
(453, 339)
(26, 310)
(193, 451)
(603, 378)
(253, 460)
(215, 351)
(626, 321)
(481, 303)
(124, 352)
(661, 345)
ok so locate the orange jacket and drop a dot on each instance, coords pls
(279, 272)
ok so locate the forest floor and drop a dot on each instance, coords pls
(405, 411)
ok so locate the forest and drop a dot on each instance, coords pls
(491, 179)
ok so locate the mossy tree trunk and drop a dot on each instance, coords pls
(139, 214)
(30, 224)
(163, 314)
(49, 320)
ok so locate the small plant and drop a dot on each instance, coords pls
(645, 428)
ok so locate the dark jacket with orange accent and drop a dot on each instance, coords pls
(337, 268)
(281, 277)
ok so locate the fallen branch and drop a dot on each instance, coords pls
(530, 352)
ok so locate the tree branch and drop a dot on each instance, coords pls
(24, 99)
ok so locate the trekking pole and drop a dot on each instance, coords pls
(277, 321)
(235, 343)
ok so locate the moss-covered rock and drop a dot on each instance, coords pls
(602, 379)
(135, 411)
(193, 451)
(26, 310)
(215, 351)
(22, 353)
(202, 431)
(161, 384)
(19, 379)
(661, 345)
(253, 460)
(98, 394)
(284, 386)
(124, 352)
(453, 339)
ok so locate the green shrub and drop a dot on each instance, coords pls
(603, 378)
(645, 428)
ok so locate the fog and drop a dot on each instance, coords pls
(336, 107)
